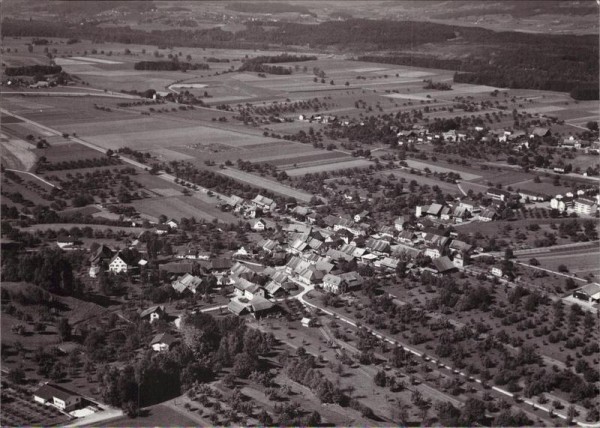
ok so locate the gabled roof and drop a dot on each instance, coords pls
(119, 255)
(338, 255)
(102, 252)
(443, 264)
(407, 234)
(50, 390)
(434, 209)
(539, 131)
(264, 201)
(272, 287)
(259, 303)
(165, 338)
(236, 307)
(332, 279)
(151, 310)
(591, 290)
(460, 245)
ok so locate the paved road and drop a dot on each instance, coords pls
(70, 94)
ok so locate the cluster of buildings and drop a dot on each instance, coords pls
(579, 202)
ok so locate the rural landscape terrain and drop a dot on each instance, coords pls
(300, 213)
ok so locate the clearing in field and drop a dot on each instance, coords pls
(265, 183)
(356, 163)
(434, 168)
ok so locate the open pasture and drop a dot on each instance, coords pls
(181, 206)
(266, 183)
(329, 166)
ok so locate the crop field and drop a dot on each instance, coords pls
(580, 263)
(67, 152)
(16, 153)
(265, 183)
(181, 206)
(329, 166)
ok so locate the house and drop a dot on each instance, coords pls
(161, 229)
(162, 342)
(268, 245)
(264, 203)
(258, 225)
(237, 308)
(64, 241)
(496, 271)
(153, 313)
(119, 263)
(187, 282)
(94, 271)
(588, 293)
(407, 237)
(434, 210)
(387, 231)
(310, 275)
(352, 279)
(102, 253)
(585, 206)
(488, 214)
(539, 132)
(498, 194)
(333, 284)
(58, 397)
(444, 265)
(275, 289)
(260, 307)
(253, 291)
(571, 143)
(470, 205)
(308, 322)
(399, 223)
(361, 216)
(216, 265)
(377, 246)
(561, 203)
(388, 263)
(460, 247)
(172, 224)
(527, 196)
(459, 260)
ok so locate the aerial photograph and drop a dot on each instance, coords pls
(255, 213)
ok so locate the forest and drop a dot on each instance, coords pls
(32, 70)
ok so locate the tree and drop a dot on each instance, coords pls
(592, 125)
(244, 365)
(473, 411)
(448, 415)
(64, 329)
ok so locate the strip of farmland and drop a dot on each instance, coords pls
(266, 183)
(356, 163)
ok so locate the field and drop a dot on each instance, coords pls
(434, 168)
(328, 166)
(16, 153)
(266, 183)
(580, 263)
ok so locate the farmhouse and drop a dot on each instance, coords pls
(361, 216)
(258, 225)
(264, 203)
(153, 313)
(102, 253)
(58, 397)
(162, 342)
(162, 229)
(120, 263)
(488, 214)
(187, 282)
(399, 223)
(444, 265)
(64, 241)
(588, 293)
(498, 194)
(539, 132)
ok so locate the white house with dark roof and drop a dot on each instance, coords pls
(119, 263)
(57, 396)
(162, 342)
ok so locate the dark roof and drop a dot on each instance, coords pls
(260, 304)
(49, 391)
(236, 307)
(65, 239)
(151, 310)
(178, 267)
(443, 264)
(165, 338)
